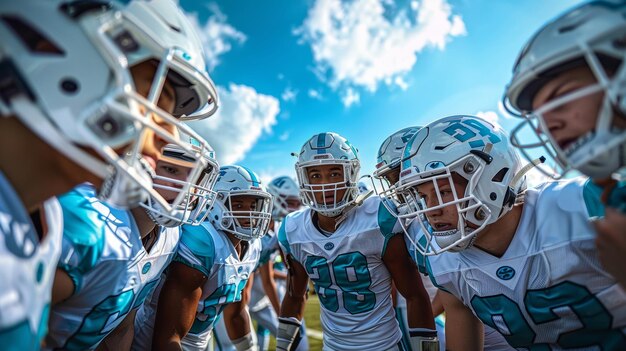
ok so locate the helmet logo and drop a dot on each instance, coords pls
(465, 130)
(505, 273)
(146, 268)
(329, 246)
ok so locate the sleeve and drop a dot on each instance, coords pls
(389, 225)
(83, 236)
(196, 249)
(282, 237)
(592, 195)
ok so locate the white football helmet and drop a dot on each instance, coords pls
(473, 149)
(66, 76)
(189, 203)
(283, 188)
(245, 224)
(593, 34)
(390, 152)
(328, 149)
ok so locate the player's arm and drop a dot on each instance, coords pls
(266, 272)
(178, 302)
(291, 310)
(409, 283)
(237, 322)
(463, 330)
(62, 287)
(121, 338)
(436, 304)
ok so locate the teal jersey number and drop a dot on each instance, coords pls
(352, 276)
(113, 308)
(215, 303)
(540, 305)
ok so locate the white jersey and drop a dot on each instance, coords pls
(112, 272)
(211, 252)
(27, 269)
(548, 289)
(350, 277)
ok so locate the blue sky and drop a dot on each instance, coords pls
(286, 70)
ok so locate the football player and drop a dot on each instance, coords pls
(568, 83)
(112, 259)
(350, 252)
(70, 105)
(521, 262)
(209, 271)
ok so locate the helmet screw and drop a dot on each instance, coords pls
(69, 85)
(479, 214)
(469, 167)
(493, 196)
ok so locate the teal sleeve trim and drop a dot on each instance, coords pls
(282, 237)
(386, 223)
(592, 194)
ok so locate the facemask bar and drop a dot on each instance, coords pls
(535, 120)
(258, 220)
(418, 209)
(308, 190)
(173, 59)
(197, 200)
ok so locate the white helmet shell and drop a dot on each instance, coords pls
(282, 188)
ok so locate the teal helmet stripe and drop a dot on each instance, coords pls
(406, 162)
(353, 149)
(255, 180)
(321, 142)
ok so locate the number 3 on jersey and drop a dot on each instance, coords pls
(350, 274)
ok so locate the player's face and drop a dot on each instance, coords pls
(574, 119)
(446, 217)
(171, 171)
(245, 203)
(323, 175)
(152, 144)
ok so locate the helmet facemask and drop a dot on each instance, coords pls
(330, 204)
(189, 196)
(598, 153)
(244, 224)
(472, 214)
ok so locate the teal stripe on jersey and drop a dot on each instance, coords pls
(592, 194)
(386, 223)
(282, 238)
(321, 142)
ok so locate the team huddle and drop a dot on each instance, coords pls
(119, 230)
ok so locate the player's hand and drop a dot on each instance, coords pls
(611, 243)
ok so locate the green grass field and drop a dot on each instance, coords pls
(312, 318)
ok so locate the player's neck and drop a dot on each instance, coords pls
(35, 170)
(327, 224)
(144, 223)
(497, 237)
(239, 245)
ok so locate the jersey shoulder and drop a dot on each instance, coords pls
(197, 247)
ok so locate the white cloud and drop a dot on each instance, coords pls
(289, 94)
(489, 116)
(216, 35)
(350, 97)
(315, 94)
(284, 136)
(356, 44)
(244, 114)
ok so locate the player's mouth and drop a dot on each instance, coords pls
(151, 161)
(569, 146)
(441, 226)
